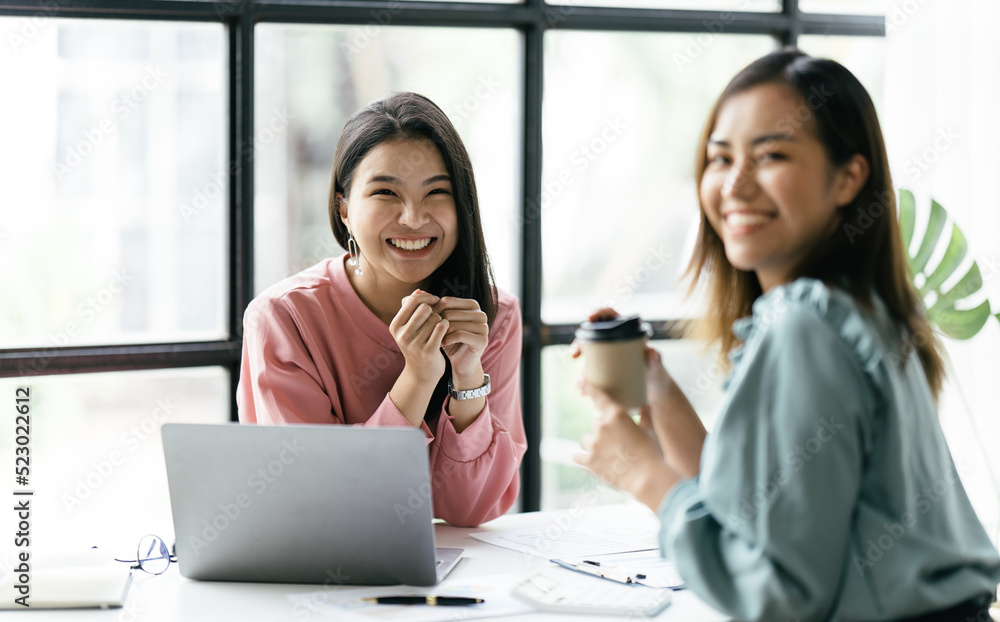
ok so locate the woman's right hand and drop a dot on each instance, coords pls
(668, 416)
(418, 332)
(601, 315)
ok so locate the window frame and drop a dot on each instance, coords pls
(532, 19)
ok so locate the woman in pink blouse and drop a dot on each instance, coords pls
(407, 328)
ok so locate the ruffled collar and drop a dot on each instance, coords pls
(837, 307)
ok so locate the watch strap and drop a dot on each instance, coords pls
(470, 394)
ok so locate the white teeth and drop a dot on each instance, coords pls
(410, 245)
(746, 220)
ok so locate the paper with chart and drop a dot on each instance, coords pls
(577, 537)
(345, 603)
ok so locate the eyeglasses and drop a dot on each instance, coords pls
(152, 556)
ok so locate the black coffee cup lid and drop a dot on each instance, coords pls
(618, 329)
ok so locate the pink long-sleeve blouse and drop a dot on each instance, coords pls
(314, 353)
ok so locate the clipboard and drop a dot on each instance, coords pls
(639, 567)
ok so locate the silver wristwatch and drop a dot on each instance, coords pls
(470, 394)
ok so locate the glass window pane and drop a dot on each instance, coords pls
(619, 206)
(112, 182)
(310, 79)
(724, 6)
(96, 461)
(856, 7)
(567, 415)
(863, 56)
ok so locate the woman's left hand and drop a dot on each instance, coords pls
(623, 454)
(467, 335)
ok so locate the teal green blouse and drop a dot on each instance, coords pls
(826, 491)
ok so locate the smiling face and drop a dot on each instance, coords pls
(402, 214)
(769, 190)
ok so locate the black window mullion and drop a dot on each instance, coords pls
(393, 13)
(790, 9)
(47, 361)
(241, 190)
(664, 20)
(531, 263)
(847, 25)
(169, 10)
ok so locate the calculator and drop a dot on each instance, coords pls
(573, 595)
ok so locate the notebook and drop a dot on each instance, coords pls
(329, 504)
(85, 579)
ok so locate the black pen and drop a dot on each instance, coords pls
(433, 601)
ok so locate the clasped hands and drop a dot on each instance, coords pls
(427, 324)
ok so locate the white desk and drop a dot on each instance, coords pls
(170, 597)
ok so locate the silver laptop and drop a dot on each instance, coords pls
(330, 504)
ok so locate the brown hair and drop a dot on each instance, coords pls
(864, 253)
(409, 116)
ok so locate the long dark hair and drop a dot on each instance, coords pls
(408, 116)
(865, 252)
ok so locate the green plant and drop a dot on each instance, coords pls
(942, 309)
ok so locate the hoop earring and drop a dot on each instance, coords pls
(355, 254)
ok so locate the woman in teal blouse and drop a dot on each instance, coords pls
(826, 490)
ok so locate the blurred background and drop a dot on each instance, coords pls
(118, 204)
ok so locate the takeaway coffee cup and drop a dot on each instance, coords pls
(614, 358)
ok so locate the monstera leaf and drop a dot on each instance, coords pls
(943, 311)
